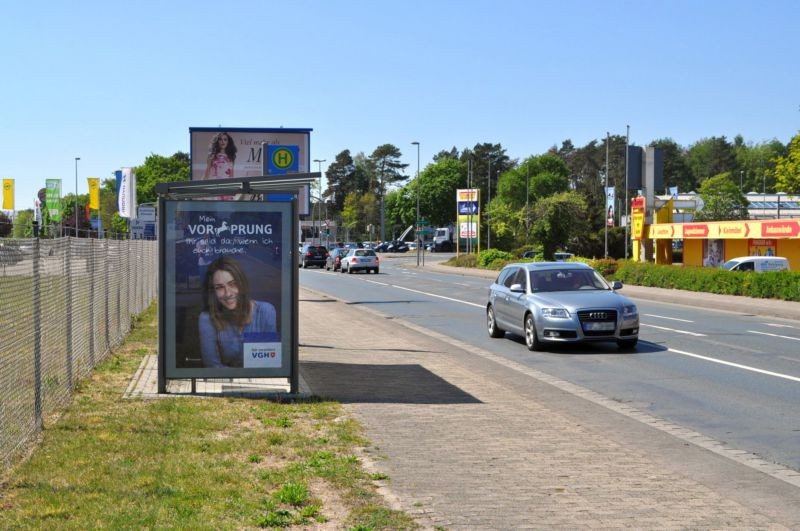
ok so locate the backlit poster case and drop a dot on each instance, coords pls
(227, 306)
(222, 153)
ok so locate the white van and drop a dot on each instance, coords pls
(757, 264)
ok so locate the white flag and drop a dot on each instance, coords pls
(126, 198)
(37, 210)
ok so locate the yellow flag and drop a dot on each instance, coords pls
(94, 192)
(8, 194)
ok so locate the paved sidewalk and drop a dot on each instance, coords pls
(470, 440)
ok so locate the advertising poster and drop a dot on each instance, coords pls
(763, 247)
(227, 301)
(713, 253)
(219, 153)
(610, 199)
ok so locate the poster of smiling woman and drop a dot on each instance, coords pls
(227, 313)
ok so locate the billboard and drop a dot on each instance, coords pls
(223, 153)
(227, 300)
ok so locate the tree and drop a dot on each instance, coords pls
(787, 169)
(388, 170)
(444, 154)
(676, 170)
(340, 178)
(438, 184)
(559, 220)
(722, 200)
(23, 225)
(160, 169)
(709, 157)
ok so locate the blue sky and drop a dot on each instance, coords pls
(112, 84)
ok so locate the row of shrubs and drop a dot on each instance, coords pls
(783, 285)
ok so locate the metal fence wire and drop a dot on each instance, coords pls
(64, 304)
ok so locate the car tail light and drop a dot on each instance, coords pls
(377, 259)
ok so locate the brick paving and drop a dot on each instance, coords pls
(472, 441)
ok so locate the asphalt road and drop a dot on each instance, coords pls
(733, 376)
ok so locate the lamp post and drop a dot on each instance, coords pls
(419, 243)
(319, 208)
(76, 195)
(488, 202)
(605, 192)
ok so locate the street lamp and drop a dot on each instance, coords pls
(319, 208)
(488, 202)
(76, 195)
(419, 243)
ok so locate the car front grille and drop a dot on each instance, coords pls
(598, 316)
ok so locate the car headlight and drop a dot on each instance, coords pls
(630, 311)
(558, 313)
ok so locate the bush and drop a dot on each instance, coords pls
(783, 285)
(494, 259)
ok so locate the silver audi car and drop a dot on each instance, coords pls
(560, 302)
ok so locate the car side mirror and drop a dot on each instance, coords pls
(517, 288)
(616, 285)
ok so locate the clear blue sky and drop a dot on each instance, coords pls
(112, 83)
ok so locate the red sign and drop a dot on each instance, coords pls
(695, 230)
(780, 228)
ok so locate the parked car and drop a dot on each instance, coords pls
(757, 264)
(397, 246)
(334, 260)
(381, 247)
(562, 257)
(10, 254)
(360, 260)
(560, 302)
(313, 255)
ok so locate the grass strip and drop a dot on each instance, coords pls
(192, 462)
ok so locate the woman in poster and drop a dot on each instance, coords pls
(714, 253)
(221, 157)
(229, 315)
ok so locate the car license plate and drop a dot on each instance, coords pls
(592, 327)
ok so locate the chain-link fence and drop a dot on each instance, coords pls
(64, 304)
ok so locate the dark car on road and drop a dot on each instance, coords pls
(334, 260)
(313, 255)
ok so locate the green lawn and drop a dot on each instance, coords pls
(191, 462)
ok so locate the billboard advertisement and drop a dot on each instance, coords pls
(227, 300)
(223, 153)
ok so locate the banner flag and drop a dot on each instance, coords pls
(37, 210)
(94, 192)
(8, 194)
(126, 198)
(610, 200)
(53, 199)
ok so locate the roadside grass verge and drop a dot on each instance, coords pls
(191, 462)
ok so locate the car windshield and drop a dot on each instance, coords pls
(566, 280)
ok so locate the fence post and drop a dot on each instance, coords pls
(70, 317)
(92, 332)
(106, 294)
(37, 335)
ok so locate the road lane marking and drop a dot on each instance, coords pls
(437, 296)
(776, 325)
(774, 335)
(788, 358)
(665, 317)
(736, 365)
(695, 334)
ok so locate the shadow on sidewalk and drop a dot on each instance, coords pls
(368, 383)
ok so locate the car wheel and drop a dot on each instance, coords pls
(376, 270)
(349, 270)
(531, 339)
(627, 344)
(491, 324)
